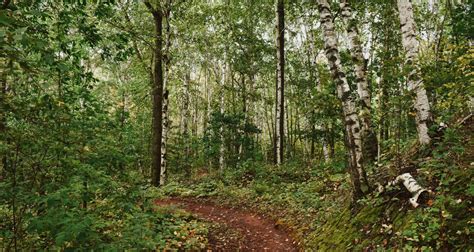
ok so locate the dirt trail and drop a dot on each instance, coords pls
(236, 230)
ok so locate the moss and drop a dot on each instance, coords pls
(368, 215)
(403, 221)
(337, 234)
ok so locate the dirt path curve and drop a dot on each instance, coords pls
(237, 230)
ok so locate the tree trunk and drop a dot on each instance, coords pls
(324, 139)
(157, 94)
(269, 121)
(351, 119)
(166, 59)
(420, 195)
(221, 128)
(360, 68)
(185, 115)
(280, 98)
(3, 119)
(244, 112)
(381, 109)
(415, 84)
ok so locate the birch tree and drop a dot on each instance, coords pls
(351, 119)
(280, 85)
(221, 104)
(415, 84)
(166, 59)
(360, 69)
(185, 115)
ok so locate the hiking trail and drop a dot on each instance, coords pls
(235, 229)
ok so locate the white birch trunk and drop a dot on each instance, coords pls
(221, 129)
(185, 116)
(208, 91)
(280, 99)
(164, 136)
(360, 65)
(415, 84)
(360, 70)
(326, 154)
(351, 119)
(412, 186)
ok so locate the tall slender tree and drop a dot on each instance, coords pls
(166, 61)
(221, 105)
(185, 116)
(3, 120)
(415, 83)
(280, 85)
(157, 94)
(360, 68)
(351, 118)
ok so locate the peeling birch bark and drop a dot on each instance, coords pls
(415, 84)
(166, 61)
(164, 137)
(360, 69)
(413, 187)
(351, 118)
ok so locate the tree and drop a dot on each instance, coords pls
(185, 118)
(415, 83)
(157, 94)
(280, 85)
(351, 119)
(222, 111)
(360, 68)
(166, 78)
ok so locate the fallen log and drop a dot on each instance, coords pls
(419, 194)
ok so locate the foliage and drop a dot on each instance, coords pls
(76, 116)
(313, 202)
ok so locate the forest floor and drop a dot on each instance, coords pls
(234, 229)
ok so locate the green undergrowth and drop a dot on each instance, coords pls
(314, 202)
(120, 214)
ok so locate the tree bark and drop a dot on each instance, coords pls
(351, 119)
(185, 120)
(3, 119)
(166, 60)
(360, 68)
(420, 195)
(280, 97)
(244, 112)
(415, 84)
(157, 94)
(221, 128)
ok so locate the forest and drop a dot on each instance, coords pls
(236, 125)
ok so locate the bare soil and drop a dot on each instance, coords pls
(236, 229)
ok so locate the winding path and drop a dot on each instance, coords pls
(236, 229)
